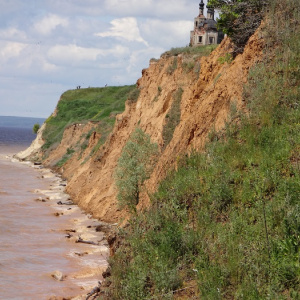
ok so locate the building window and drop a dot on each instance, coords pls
(200, 39)
(211, 40)
(196, 24)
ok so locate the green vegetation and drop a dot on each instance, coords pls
(217, 78)
(172, 118)
(154, 59)
(171, 68)
(227, 58)
(95, 104)
(226, 224)
(201, 51)
(135, 165)
(188, 66)
(191, 57)
(159, 90)
(134, 95)
(65, 158)
(239, 18)
(36, 128)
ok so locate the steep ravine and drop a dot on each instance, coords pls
(207, 96)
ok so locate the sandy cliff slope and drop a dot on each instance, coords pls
(207, 95)
(35, 146)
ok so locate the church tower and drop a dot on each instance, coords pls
(201, 8)
(205, 28)
(210, 13)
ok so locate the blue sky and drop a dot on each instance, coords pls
(50, 46)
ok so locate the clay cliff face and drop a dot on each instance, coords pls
(205, 104)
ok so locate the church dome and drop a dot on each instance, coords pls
(210, 24)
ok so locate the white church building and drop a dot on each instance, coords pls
(205, 28)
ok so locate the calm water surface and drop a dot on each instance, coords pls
(32, 244)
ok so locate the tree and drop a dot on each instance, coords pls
(135, 165)
(239, 19)
(36, 128)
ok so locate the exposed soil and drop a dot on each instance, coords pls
(206, 101)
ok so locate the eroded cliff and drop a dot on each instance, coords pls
(204, 87)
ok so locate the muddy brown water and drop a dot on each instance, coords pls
(33, 243)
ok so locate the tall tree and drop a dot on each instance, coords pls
(239, 19)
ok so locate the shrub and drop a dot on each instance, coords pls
(134, 95)
(188, 66)
(225, 59)
(135, 165)
(159, 90)
(240, 19)
(65, 158)
(172, 67)
(36, 128)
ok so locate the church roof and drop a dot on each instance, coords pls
(211, 24)
(207, 24)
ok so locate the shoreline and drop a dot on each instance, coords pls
(92, 258)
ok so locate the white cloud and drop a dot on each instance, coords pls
(166, 9)
(10, 50)
(167, 34)
(20, 59)
(46, 25)
(12, 33)
(75, 55)
(124, 28)
(140, 59)
(35, 64)
(48, 67)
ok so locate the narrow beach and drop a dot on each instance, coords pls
(88, 248)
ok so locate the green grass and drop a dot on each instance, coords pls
(225, 59)
(201, 50)
(172, 67)
(159, 90)
(172, 118)
(134, 95)
(95, 104)
(191, 56)
(188, 66)
(227, 222)
(65, 158)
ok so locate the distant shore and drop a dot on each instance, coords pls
(20, 122)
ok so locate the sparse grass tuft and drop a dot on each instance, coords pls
(172, 118)
(65, 158)
(172, 67)
(134, 95)
(159, 90)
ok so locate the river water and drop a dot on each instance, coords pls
(33, 243)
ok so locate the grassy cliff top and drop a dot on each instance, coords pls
(200, 50)
(82, 105)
